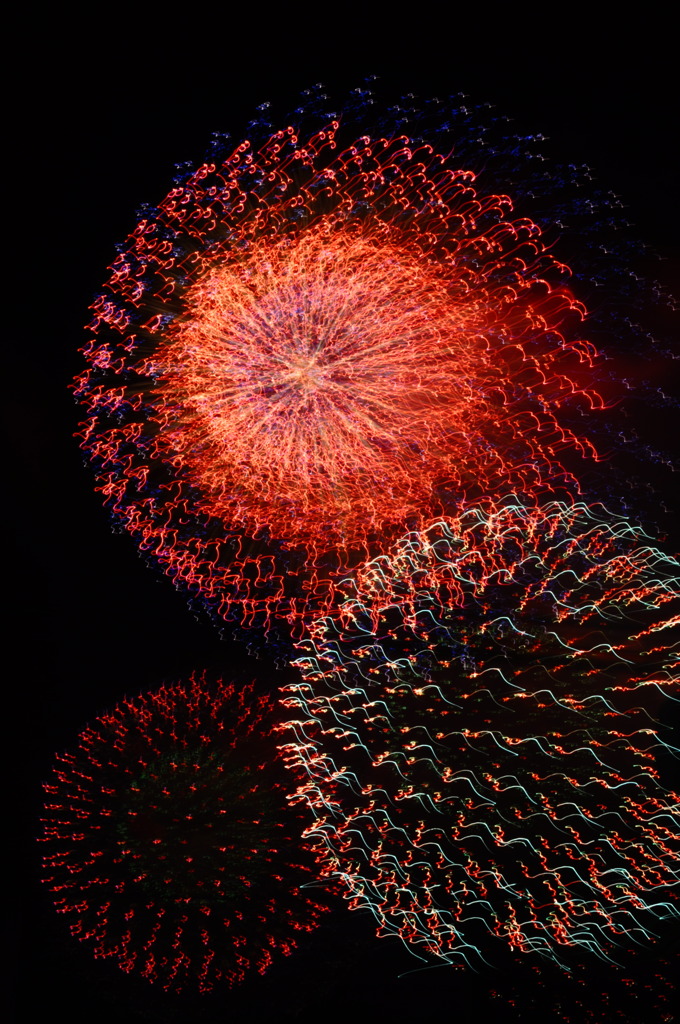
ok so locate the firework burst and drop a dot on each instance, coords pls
(170, 845)
(478, 728)
(317, 341)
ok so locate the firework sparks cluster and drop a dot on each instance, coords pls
(476, 723)
(343, 393)
(171, 846)
(306, 349)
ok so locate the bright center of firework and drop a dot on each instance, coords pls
(305, 373)
(329, 378)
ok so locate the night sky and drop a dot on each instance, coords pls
(99, 114)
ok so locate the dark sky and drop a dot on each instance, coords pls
(99, 113)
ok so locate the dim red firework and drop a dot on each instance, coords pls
(478, 728)
(316, 342)
(171, 847)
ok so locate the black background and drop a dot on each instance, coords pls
(98, 110)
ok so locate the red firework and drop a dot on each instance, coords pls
(171, 846)
(317, 348)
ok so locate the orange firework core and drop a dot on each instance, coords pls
(321, 385)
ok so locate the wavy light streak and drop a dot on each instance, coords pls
(478, 739)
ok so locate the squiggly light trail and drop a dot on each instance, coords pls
(170, 844)
(308, 349)
(476, 735)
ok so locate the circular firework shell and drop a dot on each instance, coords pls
(325, 336)
(171, 846)
(478, 725)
